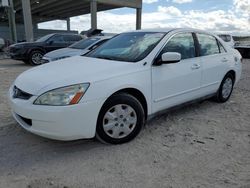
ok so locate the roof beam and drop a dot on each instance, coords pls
(123, 3)
(61, 9)
(53, 5)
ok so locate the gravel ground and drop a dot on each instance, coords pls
(201, 145)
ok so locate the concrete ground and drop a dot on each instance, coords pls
(201, 145)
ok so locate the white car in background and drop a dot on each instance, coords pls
(81, 47)
(119, 85)
(228, 39)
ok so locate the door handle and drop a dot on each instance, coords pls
(195, 66)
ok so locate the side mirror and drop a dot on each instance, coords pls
(170, 57)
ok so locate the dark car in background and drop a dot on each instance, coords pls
(32, 52)
(81, 47)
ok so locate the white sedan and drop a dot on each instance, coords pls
(118, 86)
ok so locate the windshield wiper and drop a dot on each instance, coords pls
(105, 57)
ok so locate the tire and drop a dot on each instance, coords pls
(226, 88)
(120, 119)
(35, 57)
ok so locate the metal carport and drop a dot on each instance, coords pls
(32, 12)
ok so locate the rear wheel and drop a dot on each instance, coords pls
(225, 89)
(120, 120)
(35, 57)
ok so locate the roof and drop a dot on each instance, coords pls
(166, 30)
(47, 10)
(102, 37)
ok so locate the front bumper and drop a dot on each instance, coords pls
(18, 53)
(46, 60)
(18, 56)
(56, 122)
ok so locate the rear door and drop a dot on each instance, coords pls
(214, 62)
(175, 83)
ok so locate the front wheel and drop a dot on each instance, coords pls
(36, 57)
(225, 89)
(120, 120)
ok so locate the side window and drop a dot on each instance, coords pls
(182, 43)
(222, 49)
(74, 38)
(208, 45)
(68, 38)
(77, 38)
(57, 39)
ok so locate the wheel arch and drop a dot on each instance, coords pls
(135, 93)
(233, 73)
(36, 49)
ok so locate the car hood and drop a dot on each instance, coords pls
(71, 71)
(65, 52)
(26, 44)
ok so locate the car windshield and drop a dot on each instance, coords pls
(129, 47)
(44, 38)
(82, 44)
(226, 38)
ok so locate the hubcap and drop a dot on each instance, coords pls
(227, 88)
(36, 58)
(119, 121)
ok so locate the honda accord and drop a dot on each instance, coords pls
(110, 93)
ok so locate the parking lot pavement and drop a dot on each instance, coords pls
(201, 145)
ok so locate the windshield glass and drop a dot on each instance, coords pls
(82, 44)
(226, 38)
(130, 47)
(44, 38)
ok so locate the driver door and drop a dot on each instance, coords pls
(56, 42)
(176, 83)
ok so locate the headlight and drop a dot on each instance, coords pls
(63, 96)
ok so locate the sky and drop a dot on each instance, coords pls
(219, 16)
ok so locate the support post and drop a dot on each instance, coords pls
(12, 21)
(27, 20)
(93, 12)
(138, 18)
(68, 24)
(35, 26)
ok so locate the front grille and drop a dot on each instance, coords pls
(26, 120)
(13, 50)
(19, 94)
